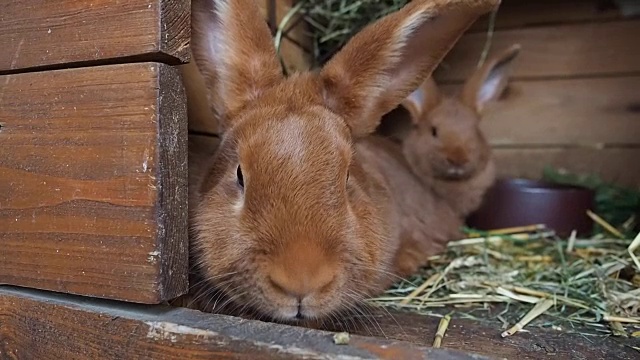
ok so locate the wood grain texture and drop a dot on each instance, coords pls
(172, 206)
(93, 179)
(526, 13)
(482, 337)
(36, 325)
(39, 33)
(553, 51)
(565, 111)
(619, 165)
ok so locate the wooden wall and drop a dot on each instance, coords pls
(93, 137)
(574, 100)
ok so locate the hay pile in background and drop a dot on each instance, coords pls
(333, 22)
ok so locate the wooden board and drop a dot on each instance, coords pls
(620, 165)
(526, 13)
(554, 51)
(93, 181)
(482, 336)
(37, 325)
(36, 33)
(565, 111)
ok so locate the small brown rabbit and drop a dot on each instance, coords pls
(294, 217)
(443, 143)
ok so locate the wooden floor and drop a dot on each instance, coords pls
(45, 325)
(484, 339)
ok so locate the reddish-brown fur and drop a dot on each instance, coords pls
(445, 146)
(317, 225)
(424, 222)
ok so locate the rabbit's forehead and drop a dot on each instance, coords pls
(297, 141)
(454, 114)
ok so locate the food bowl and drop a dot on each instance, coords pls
(519, 202)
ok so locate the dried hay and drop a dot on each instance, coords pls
(576, 283)
(333, 22)
(592, 283)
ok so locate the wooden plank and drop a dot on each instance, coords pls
(36, 325)
(553, 51)
(36, 33)
(519, 13)
(482, 336)
(93, 179)
(617, 165)
(565, 111)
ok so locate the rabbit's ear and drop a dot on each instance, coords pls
(422, 100)
(234, 51)
(382, 64)
(489, 81)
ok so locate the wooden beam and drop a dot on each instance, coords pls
(518, 13)
(619, 165)
(482, 336)
(565, 111)
(36, 33)
(591, 49)
(40, 325)
(93, 182)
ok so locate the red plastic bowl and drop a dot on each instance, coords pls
(520, 202)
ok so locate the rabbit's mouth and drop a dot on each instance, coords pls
(298, 316)
(456, 173)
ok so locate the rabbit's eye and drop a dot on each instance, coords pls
(434, 131)
(240, 178)
(347, 176)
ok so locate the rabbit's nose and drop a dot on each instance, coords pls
(457, 161)
(457, 157)
(302, 282)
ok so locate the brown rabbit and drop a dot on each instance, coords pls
(444, 144)
(294, 217)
